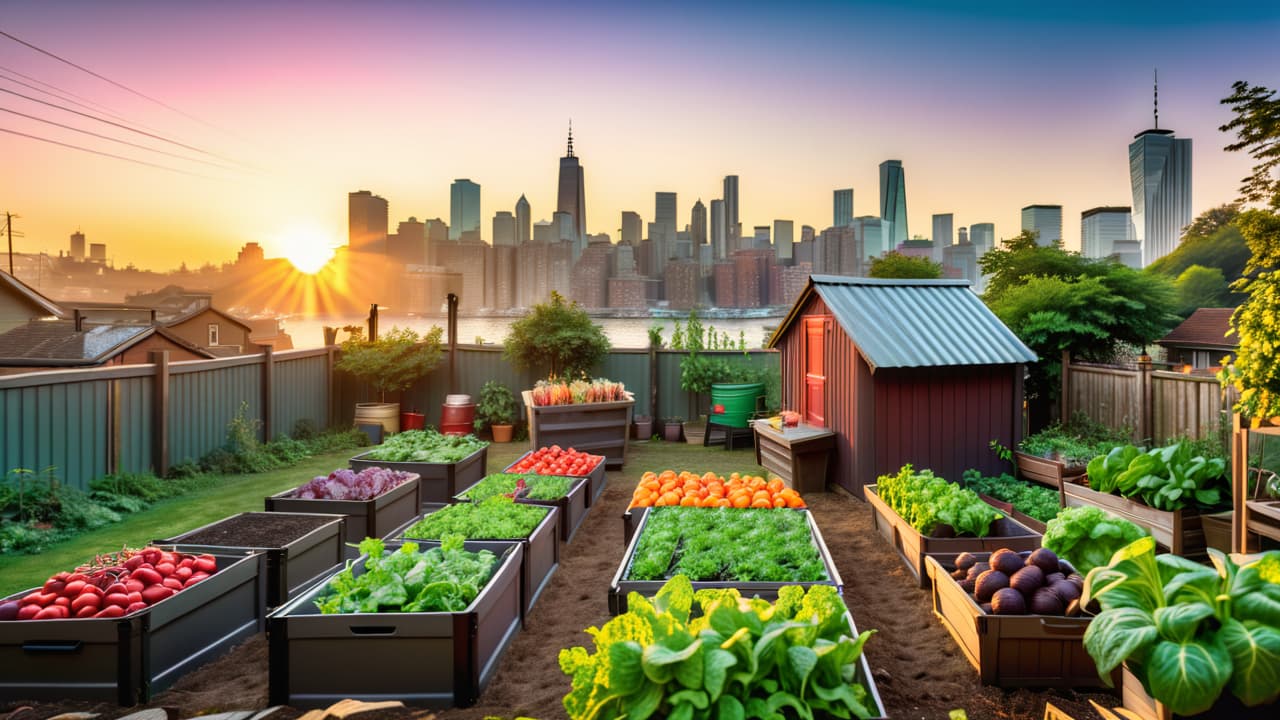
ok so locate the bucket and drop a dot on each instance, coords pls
(457, 419)
(412, 421)
(385, 414)
(739, 401)
(457, 399)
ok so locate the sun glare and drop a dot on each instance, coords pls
(307, 249)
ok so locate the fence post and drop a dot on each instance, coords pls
(333, 390)
(1146, 419)
(653, 384)
(1064, 398)
(160, 413)
(1239, 483)
(268, 395)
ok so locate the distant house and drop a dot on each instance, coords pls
(1202, 340)
(213, 330)
(77, 343)
(187, 315)
(20, 303)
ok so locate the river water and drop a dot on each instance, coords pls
(622, 332)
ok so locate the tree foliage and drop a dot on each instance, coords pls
(1200, 287)
(896, 265)
(557, 337)
(1211, 221)
(1224, 249)
(392, 362)
(1257, 128)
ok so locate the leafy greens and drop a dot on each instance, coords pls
(523, 485)
(498, 518)
(442, 579)
(926, 501)
(1088, 536)
(1037, 501)
(427, 446)
(1165, 478)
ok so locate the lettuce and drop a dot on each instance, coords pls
(497, 518)
(443, 579)
(926, 501)
(1088, 536)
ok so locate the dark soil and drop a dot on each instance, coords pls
(256, 530)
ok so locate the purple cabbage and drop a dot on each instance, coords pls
(346, 484)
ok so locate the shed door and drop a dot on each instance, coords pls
(815, 373)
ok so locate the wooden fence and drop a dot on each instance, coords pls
(1155, 404)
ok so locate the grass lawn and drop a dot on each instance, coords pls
(242, 493)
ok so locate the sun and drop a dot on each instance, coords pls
(306, 248)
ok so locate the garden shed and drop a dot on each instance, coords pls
(903, 371)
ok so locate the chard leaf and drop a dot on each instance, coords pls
(729, 708)
(1255, 656)
(1117, 635)
(626, 675)
(643, 705)
(1188, 677)
(1257, 606)
(1179, 623)
(689, 672)
(675, 597)
(658, 661)
(801, 661)
(715, 669)
(692, 698)
(779, 700)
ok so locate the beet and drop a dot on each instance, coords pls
(985, 607)
(1053, 577)
(1006, 561)
(1046, 602)
(978, 569)
(959, 574)
(9, 610)
(1008, 601)
(967, 585)
(965, 560)
(988, 583)
(1077, 580)
(1066, 590)
(1073, 609)
(1065, 567)
(1045, 559)
(1027, 580)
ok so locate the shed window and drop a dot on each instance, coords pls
(213, 334)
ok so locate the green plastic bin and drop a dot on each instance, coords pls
(739, 401)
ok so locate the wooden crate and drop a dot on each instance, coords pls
(1047, 470)
(798, 455)
(1179, 531)
(602, 428)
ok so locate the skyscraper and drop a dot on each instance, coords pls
(523, 221)
(893, 201)
(842, 208)
(783, 239)
(732, 223)
(464, 208)
(1045, 220)
(571, 197)
(873, 232)
(409, 244)
(943, 223)
(366, 222)
(662, 231)
(1101, 228)
(632, 228)
(1160, 176)
(718, 234)
(504, 229)
(698, 224)
(983, 237)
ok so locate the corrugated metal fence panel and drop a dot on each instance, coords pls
(202, 403)
(632, 370)
(57, 425)
(133, 423)
(299, 392)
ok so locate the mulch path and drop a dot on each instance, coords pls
(920, 672)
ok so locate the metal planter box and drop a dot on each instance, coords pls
(432, 659)
(539, 560)
(1054, 473)
(128, 660)
(439, 481)
(596, 478)
(602, 428)
(376, 517)
(291, 566)
(573, 507)
(1012, 650)
(913, 546)
(621, 587)
(1180, 530)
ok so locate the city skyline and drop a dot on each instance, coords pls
(270, 94)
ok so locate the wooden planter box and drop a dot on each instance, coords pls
(1228, 706)
(129, 660)
(912, 546)
(1180, 530)
(1263, 517)
(431, 659)
(621, 587)
(598, 428)
(1047, 470)
(376, 517)
(440, 481)
(1012, 650)
(799, 455)
(596, 479)
(1009, 510)
(540, 554)
(573, 507)
(289, 566)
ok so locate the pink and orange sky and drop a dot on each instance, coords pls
(990, 108)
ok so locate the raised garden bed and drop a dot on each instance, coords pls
(1228, 707)
(603, 428)
(572, 506)
(130, 659)
(1179, 531)
(912, 546)
(439, 481)
(299, 547)
(376, 517)
(1264, 518)
(1011, 650)
(623, 582)
(539, 558)
(596, 479)
(1009, 510)
(431, 659)
(1049, 471)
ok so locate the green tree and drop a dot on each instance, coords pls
(1257, 128)
(1019, 258)
(557, 337)
(392, 362)
(894, 264)
(1211, 221)
(1224, 249)
(1200, 287)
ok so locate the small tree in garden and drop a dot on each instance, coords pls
(557, 337)
(392, 362)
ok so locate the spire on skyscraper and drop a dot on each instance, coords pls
(1155, 90)
(569, 153)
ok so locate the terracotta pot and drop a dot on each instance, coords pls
(671, 431)
(501, 433)
(643, 428)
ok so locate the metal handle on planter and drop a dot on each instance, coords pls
(1056, 628)
(52, 647)
(373, 629)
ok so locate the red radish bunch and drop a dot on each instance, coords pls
(555, 461)
(112, 586)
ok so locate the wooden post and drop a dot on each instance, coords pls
(113, 417)
(1239, 483)
(1146, 414)
(160, 413)
(332, 405)
(268, 394)
(653, 384)
(1064, 399)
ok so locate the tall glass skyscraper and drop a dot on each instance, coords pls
(983, 237)
(571, 197)
(1045, 220)
(893, 201)
(464, 207)
(1160, 174)
(842, 208)
(732, 223)
(1101, 228)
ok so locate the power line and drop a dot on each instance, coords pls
(104, 154)
(67, 98)
(117, 140)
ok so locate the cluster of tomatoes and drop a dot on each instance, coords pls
(689, 489)
(555, 460)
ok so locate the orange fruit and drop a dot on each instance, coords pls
(779, 502)
(708, 477)
(641, 502)
(741, 501)
(795, 502)
(775, 485)
(689, 501)
(648, 475)
(761, 503)
(723, 502)
(669, 498)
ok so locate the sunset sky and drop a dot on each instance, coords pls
(989, 108)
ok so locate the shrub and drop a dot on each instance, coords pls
(558, 338)
(497, 405)
(392, 362)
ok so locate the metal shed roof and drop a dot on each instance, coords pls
(914, 323)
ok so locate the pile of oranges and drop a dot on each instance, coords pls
(689, 489)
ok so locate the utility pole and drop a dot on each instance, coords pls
(8, 224)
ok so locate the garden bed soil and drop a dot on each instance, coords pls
(920, 672)
(258, 529)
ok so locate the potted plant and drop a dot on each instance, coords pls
(643, 427)
(671, 428)
(497, 409)
(391, 363)
(695, 431)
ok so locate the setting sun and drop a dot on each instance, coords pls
(306, 248)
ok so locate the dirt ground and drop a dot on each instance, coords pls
(920, 672)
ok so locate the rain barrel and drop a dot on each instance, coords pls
(739, 401)
(385, 414)
(457, 415)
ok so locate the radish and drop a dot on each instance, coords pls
(172, 582)
(183, 573)
(165, 568)
(73, 588)
(148, 576)
(135, 607)
(119, 599)
(87, 611)
(56, 612)
(87, 600)
(28, 612)
(61, 602)
(206, 564)
(156, 593)
(111, 611)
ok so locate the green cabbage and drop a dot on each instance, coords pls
(1088, 536)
